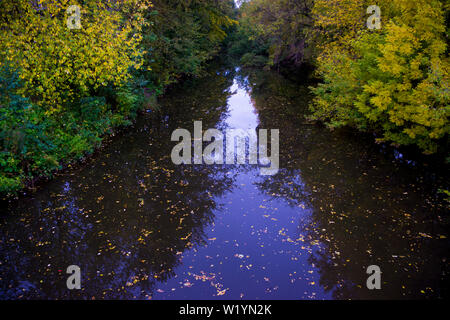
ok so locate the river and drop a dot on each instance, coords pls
(140, 227)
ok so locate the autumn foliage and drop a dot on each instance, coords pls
(60, 65)
(393, 81)
(62, 88)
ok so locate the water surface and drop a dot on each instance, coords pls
(140, 227)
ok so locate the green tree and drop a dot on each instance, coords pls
(184, 35)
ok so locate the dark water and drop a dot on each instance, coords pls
(140, 227)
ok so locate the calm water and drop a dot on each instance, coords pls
(140, 227)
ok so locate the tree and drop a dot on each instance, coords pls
(184, 36)
(61, 65)
(283, 25)
(394, 82)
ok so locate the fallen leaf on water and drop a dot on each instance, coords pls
(221, 293)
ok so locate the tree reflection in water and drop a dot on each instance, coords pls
(367, 207)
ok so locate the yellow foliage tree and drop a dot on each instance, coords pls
(60, 64)
(394, 81)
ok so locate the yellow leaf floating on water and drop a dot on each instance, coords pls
(185, 238)
(425, 235)
(222, 292)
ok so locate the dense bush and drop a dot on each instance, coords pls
(34, 144)
(22, 139)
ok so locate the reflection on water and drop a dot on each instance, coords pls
(140, 227)
(241, 112)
